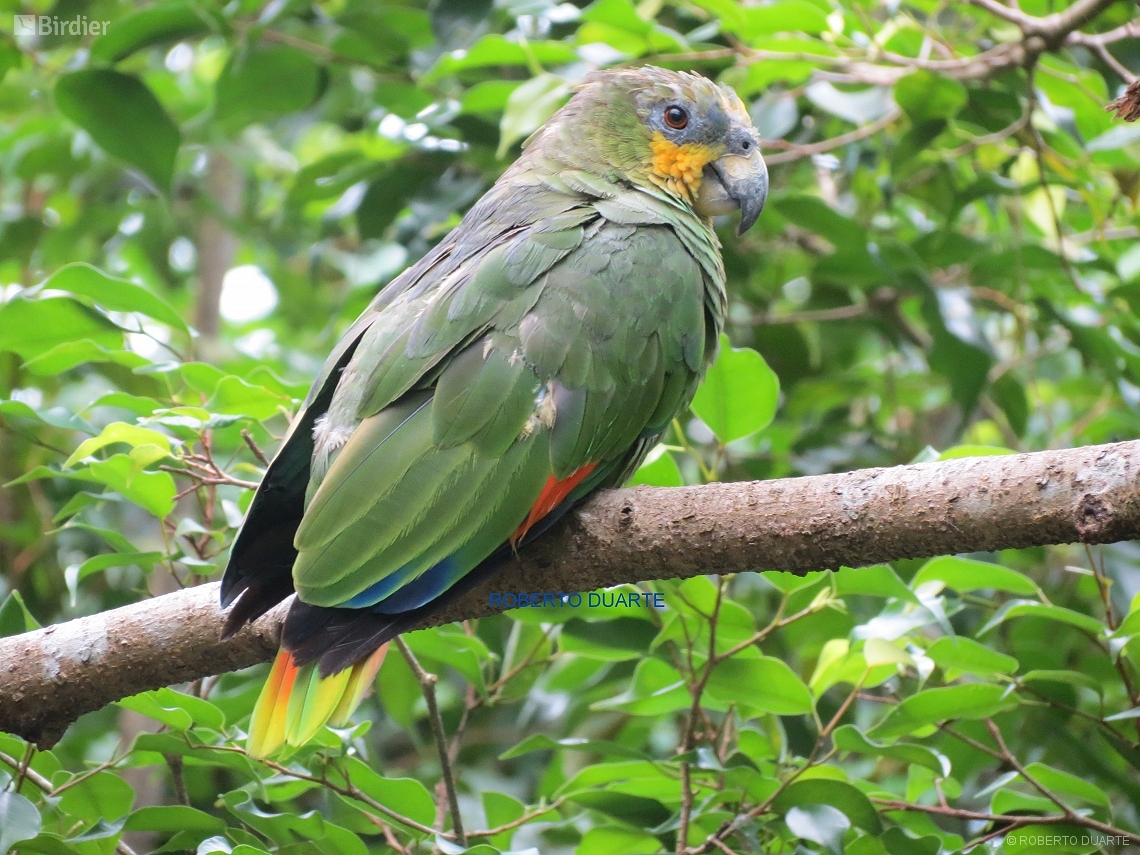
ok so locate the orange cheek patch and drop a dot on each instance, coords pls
(680, 166)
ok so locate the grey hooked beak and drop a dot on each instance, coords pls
(734, 182)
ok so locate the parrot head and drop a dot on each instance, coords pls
(681, 133)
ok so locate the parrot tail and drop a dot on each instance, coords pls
(296, 701)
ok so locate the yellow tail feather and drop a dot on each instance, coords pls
(296, 702)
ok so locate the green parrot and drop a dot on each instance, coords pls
(532, 357)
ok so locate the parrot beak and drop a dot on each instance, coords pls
(734, 182)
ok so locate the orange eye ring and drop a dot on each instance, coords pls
(676, 117)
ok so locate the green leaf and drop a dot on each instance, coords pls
(19, 820)
(73, 574)
(965, 574)
(122, 115)
(117, 432)
(494, 49)
(32, 327)
(117, 295)
(10, 55)
(489, 96)
(966, 655)
(879, 651)
(926, 96)
(528, 107)
(452, 647)
(168, 21)
(656, 689)
(406, 796)
(782, 16)
(813, 214)
(1114, 138)
(850, 738)
(103, 795)
(658, 470)
(285, 828)
(1073, 678)
(976, 700)
(1066, 784)
(621, 14)
(500, 809)
(739, 394)
(15, 617)
(767, 684)
(820, 824)
(838, 794)
(638, 811)
(898, 842)
(615, 839)
(173, 818)
(1009, 394)
(123, 473)
(879, 580)
(615, 640)
(263, 81)
(1032, 608)
(70, 354)
(401, 690)
(234, 396)
(175, 709)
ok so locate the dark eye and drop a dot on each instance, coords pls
(746, 145)
(676, 117)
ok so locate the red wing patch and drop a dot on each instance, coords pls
(550, 498)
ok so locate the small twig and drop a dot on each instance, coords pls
(25, 765)
(1012, 760)
(318, 50)
(799, 151)
(522, 820)
(174, 761)
(253, 446)
(427, 683)
(839, 313)
(389, 835)
(202, 480)
(1004, 12)
(854, 693)
(689, 741)
(723, 847)
(38, 780)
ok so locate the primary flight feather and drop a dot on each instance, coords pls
(535, 355)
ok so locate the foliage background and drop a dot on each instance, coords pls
(947, 265)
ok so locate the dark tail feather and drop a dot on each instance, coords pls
(254, 598)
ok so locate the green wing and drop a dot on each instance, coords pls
(558, 345)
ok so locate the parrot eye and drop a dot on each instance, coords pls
(676, 117)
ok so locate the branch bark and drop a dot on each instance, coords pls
(48, 678)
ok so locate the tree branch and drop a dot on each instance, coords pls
(48, 678)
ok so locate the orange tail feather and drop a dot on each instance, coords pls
(296, 702)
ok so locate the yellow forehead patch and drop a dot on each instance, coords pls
(679, 167)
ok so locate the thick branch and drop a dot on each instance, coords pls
(50, 677)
